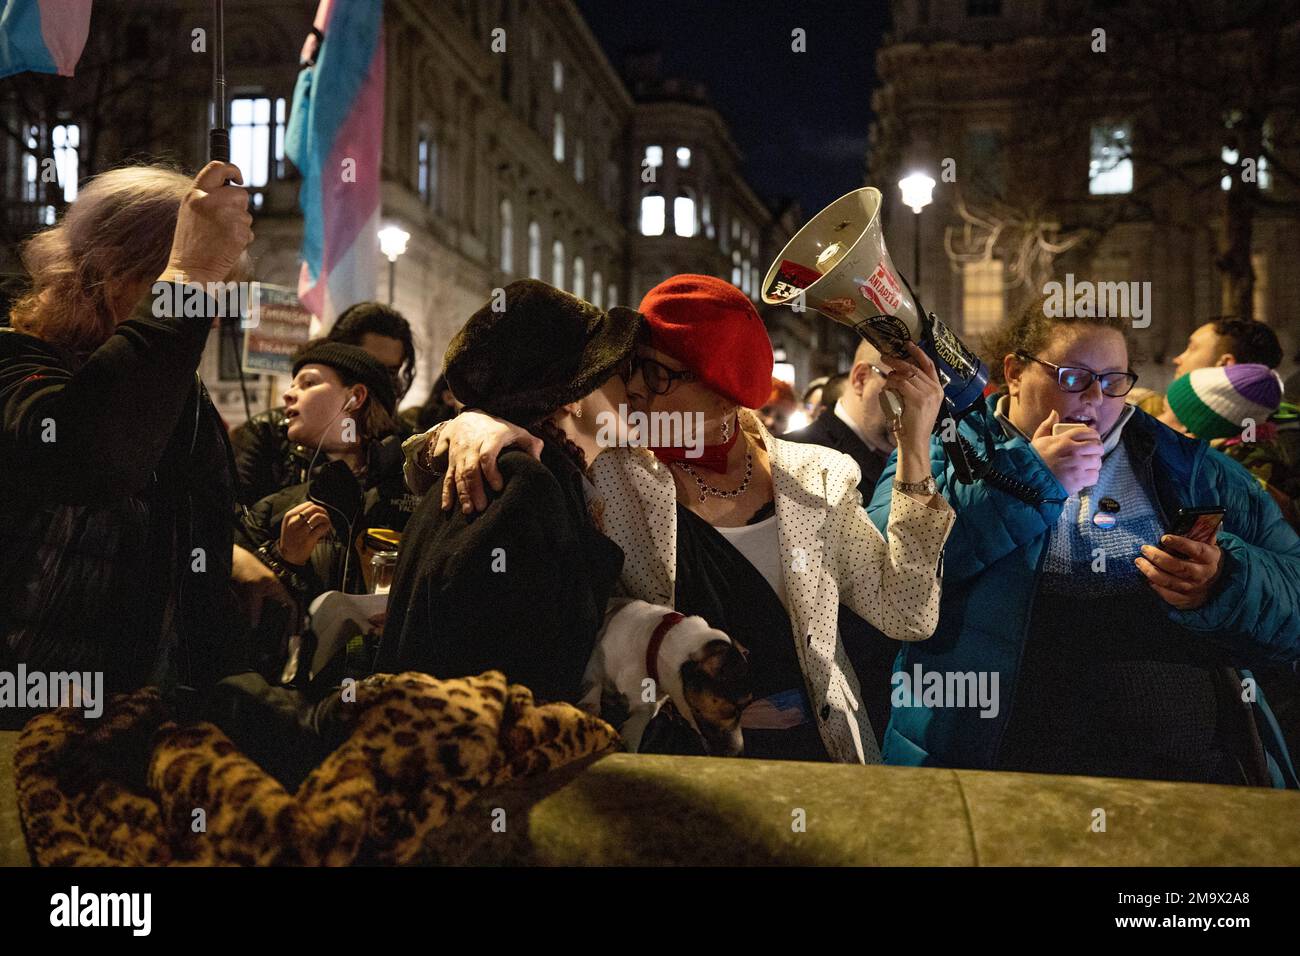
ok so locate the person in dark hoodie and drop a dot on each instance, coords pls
(340, 406)
(522, 587)
(116, 484)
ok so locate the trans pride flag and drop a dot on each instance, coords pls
(46, 36)
(334, 138)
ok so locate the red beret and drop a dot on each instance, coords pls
(713, 329)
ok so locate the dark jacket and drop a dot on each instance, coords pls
(830, 432)
(994, 557)
(116, 490)
(870, 652)
(335, 564)
(521, 587)
(268, 461)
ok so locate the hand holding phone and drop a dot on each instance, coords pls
(1184, 569)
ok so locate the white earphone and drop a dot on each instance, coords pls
(351, 401)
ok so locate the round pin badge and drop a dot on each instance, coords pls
(1104, 519)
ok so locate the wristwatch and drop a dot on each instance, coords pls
(925, 486)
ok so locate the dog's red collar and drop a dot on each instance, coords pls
(656, 641)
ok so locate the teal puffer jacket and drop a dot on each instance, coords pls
(993, 558)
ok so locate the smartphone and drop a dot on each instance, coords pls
(1198, 524)
(1060, 428)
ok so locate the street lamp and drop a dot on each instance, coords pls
(918, 190)
(392, 243)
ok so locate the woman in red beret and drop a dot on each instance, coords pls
(761, 537)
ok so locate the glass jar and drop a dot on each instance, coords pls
(382, 566)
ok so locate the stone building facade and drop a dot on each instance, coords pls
(512, 148)
(1042, 133)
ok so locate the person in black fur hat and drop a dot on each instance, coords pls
(522, 587)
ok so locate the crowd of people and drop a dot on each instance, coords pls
(849, 581)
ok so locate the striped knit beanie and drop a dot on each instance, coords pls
(1214, 402)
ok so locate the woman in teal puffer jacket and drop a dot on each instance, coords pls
(1110, 647)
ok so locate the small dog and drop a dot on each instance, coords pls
(700, 669)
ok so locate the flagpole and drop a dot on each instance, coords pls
(218, 135)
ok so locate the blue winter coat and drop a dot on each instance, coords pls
(993, 558)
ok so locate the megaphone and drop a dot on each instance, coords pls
(838, 265)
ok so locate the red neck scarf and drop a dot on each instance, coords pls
(713, 457)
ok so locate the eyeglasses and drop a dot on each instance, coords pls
(1071, 378)
(659, 378)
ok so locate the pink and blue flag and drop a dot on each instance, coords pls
(44, 36)
(334, 138)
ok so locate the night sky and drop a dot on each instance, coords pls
(800, 119)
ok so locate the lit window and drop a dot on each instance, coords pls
(983, 302)
(684, 157)
(1263, 175)
(597, 288)
(31, 166)
(507, 237)
(735, 268)
(746, 272)
(534, 251)
(557, 76)
(1110, 167)
(612, 299)
(559, 137)
(250, 138)
(557, 264)
(281, 118)
(579, 277)
(684, 216)
(1259, 262)
(652, 215)
(654, 156)
(427, 166)
(579, 161)
(66, 140)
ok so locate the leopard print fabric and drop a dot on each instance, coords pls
(126, 789)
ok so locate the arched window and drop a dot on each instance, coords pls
(652, 215)
(579, 161)
(597, 288)
(684, 215)
(611, 300)
(579, 277)
(507, 258)
(534, 251)
(557, 264)
(559, 136)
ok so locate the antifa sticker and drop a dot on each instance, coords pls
(882, 289)
(791, 278)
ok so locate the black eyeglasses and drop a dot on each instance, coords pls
(659, 378)
(1071, 378)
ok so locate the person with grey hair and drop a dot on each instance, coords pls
(116, 486)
